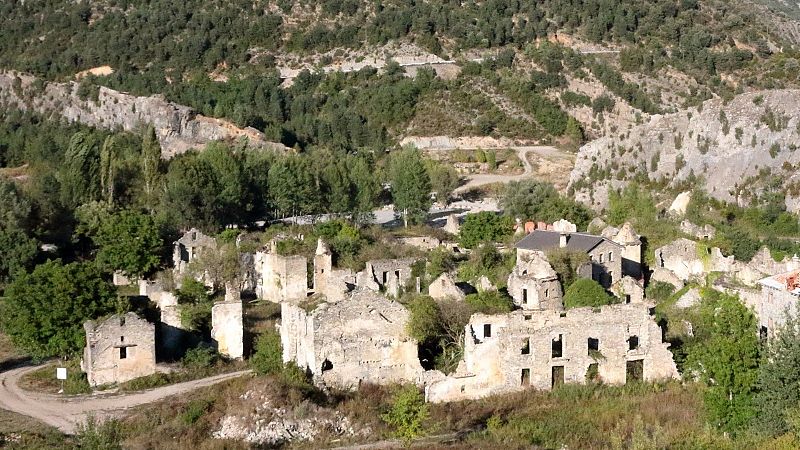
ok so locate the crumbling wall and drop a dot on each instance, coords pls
(444, 287)
(630, 290)
(188, 248)
(361, 338)
(227, 326)
(334, 284)
(118, 349)
(281, 278)
(388, 274)
(514, 351)
(533, 284)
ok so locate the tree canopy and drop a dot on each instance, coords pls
(411, 185)
(44, 310)
(129, 241)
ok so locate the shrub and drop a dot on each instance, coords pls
(659, 291)
(195, 410)
(490, 302)
(268, 358)
(200, 357)
(99, 435)
(484, 226)
(425, 321)
(587, 292)
(408, 413)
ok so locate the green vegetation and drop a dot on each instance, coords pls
(267, 358)
(566, 263)
(778, 388)
(484, 227)
(44, 310)
(411, 185)
(407, 413)
(587, 292)
(534, 200)
(725, 355)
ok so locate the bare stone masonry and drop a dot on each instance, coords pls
(360, 338)
(227, 326)
(540, 349)
(119, 349)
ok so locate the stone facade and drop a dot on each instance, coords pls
(280, 278)
(540, 349)
(631, 250)
(704, 232)
(779, 297)
(227, 325)
(444, 288)
(605, 255)
(390, 275)
(188, 248)
(119, 349)
(334, 284)
(360, 338)
(533, 284)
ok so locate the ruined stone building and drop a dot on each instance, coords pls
(389, 275)
(170, 329)
(605, 255)
(444, 287)
(779, 297)
(119, 349)
(280, 278)
(333, 283)
(503, 353)
(189, 247)
(227, 324)
(533, 284)
(360, 338)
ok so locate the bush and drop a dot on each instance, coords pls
(268, 357)
(587, 292)
(659, 291)
(195, 410)
(408, 413)
(200, 358)
(566, 263)
(99, 435)
(425, 321)
(490, 302)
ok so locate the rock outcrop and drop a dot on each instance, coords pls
(737, 149)
(179, 128)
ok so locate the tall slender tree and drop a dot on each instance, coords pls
(411, 185)
(151, 160)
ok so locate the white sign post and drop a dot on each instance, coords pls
(61, 374)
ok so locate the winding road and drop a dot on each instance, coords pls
(65, 413)
(482, 179)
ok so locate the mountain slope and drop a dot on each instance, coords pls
(737, 151)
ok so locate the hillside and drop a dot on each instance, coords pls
(737, 151)
(505, 69)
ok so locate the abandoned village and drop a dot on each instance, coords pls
(345, 328)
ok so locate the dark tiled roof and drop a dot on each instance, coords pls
(545, 240)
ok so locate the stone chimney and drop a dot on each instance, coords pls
(562, 239)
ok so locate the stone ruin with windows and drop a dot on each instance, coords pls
(118, 349)
(503, 353)
(188, 248)
(361, 336)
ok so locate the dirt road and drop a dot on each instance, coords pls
(552, 161)
(65, 413)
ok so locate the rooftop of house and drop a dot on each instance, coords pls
(788, 282)
(544, 240)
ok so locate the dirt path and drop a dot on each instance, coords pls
(65, 413)
(556, 158)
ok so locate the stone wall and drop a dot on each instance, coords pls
(533, 284)
(360, 338)
(444, 288)
(119, 349)
(178, 128)
(515, 351)
(281, 278)
(227, 326)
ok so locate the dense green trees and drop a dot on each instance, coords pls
(44, 310)
(778, 396)
(725, 356)
(484, 227)
(128, 241)
(535, 200)
(411, 185)
(16, 245)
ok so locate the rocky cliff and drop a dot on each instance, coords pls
(737, 150)
(179, 128)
